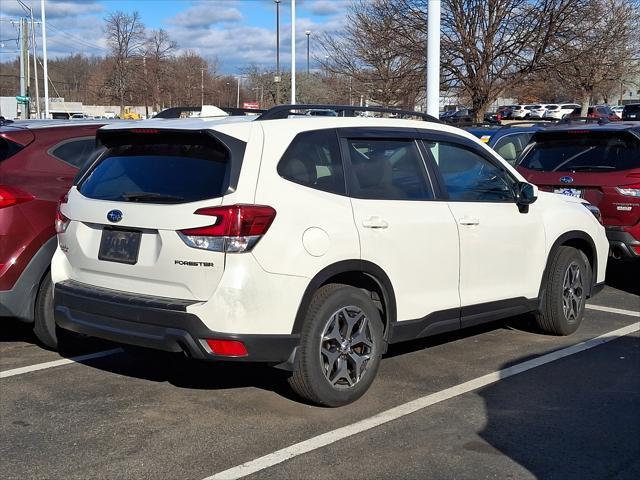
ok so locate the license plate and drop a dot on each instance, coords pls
(120, 246)
(571, 192)
(632, 115)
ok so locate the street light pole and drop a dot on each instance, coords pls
(308, 34)
(277, 79)
(293, 52)
(202, 85)
(433, 58)
(44, 59)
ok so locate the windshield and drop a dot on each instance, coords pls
(582, 150)
(159, 173)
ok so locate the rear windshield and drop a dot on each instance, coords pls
(160, 173)
(582, 150)
(632, 108)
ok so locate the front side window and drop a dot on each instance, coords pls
(388, 170)
(77, 152)
(469, 177)
(313, 159)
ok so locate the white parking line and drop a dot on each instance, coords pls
(614, 310)
(333, 436)
(57, 363)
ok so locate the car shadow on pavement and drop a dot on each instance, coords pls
(574, 418)
(624, 276)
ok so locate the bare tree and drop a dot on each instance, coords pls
(605, 51)
(126, 40)
(159, 49)
(371, 51)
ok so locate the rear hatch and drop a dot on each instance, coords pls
(601, 166)
(128, 208)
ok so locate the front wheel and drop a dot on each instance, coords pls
(340, 347)
(566, 286)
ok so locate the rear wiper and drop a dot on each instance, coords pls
(591, 167)
(142, 196)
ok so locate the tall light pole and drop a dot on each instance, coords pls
(202, 85)
(277, 78)
(44, 59)
(293, 52)
(308, 34)
(433, 58)
(238, 94)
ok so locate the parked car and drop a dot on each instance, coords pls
(560, 111)
(631, 112)
(596, 111)
(38, 160)
(322, 112)
(467, 115)
(174, 240)
(599, 163)
(504, 112)
(520, 112)
(618, 110)
(538, 111)
(508, 140)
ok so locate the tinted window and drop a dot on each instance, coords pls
(510, 147)
(582, 150)
(313, 159)
(77, 152)
(8, 148)
(635, 108)
(160, 173)
(388, 170)
(469, 176)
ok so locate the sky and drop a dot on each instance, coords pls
(238, 32)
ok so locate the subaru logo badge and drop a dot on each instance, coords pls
(114, 216)
(566, 179)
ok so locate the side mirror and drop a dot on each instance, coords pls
(526, 194)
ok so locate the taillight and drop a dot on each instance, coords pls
(13, 196)
(62, 222)
(236, 228)
(629, 190)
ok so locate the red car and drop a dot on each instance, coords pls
(600, 163)
(597, 111)
(38, 161)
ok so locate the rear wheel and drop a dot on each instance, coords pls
(340, 347)
(566, 287)
(44, 325)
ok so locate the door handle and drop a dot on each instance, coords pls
(375, 222)
(469, 221)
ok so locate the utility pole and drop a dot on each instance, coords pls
(308, 34)
(293, 52)
(35, 64)
(24, 65)
(146, 103)
(238, 95)
(202, 85)
(433, 58)
(44, 59)
(277, 78)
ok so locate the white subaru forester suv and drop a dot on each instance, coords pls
(311, 243)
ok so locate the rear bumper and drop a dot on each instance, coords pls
(157, 323)
(623, 244)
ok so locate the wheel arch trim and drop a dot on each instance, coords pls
(371, 270)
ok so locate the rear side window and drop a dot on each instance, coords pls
(582, 150)
(388, 170)
(8, 148)
(77, 152)
(313, 159)
(510, 147)
(178, 172)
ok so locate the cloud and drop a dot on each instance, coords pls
(54, 9)
(203, 15)
(324, 8)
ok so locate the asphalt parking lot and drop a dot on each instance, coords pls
(499, 401)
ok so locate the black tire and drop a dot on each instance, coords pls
(44, 325)
(562, 308)
(330, 306)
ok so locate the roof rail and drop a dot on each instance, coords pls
(176, 112)
(598, 120)
(542, 123)
(283, 111)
